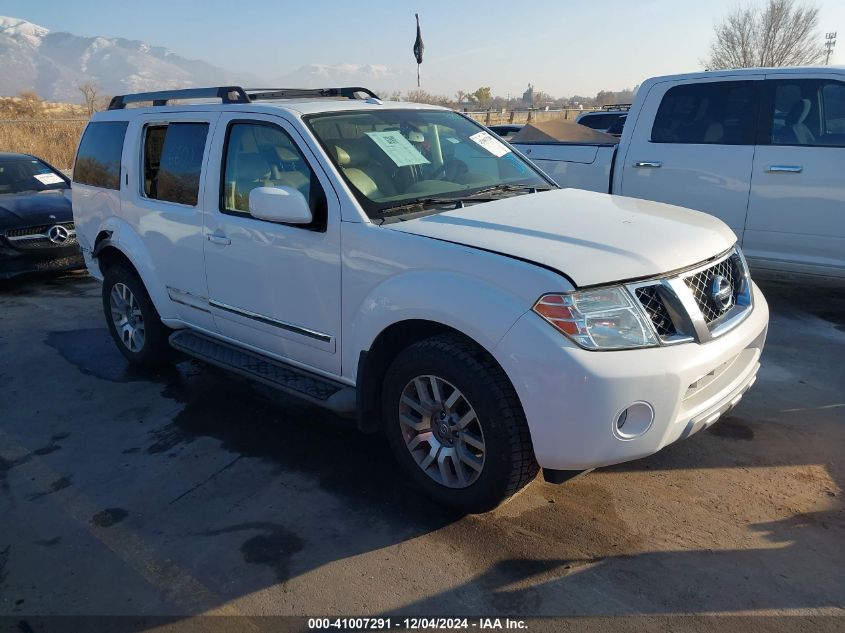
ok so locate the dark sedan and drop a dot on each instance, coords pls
(36, 221)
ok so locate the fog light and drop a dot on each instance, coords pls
(633, 421)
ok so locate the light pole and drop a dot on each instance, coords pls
(829, 43)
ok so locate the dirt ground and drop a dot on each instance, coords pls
(191, 491)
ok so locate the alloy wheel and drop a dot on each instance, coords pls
(442, 431)
(127, 317)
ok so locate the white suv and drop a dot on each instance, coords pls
(396, 262)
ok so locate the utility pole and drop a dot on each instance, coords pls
(829, 43)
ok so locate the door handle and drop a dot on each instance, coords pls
(218, 239)
(785, 169)
(654, 164)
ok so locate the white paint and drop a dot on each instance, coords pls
(478, 270)
(786, 222)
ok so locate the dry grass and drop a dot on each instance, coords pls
(52, 140)
(48, 130)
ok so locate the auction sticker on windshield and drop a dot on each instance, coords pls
(48, 179)
(398, 148)
(497, 148)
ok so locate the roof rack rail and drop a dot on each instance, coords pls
(348, 92)
(236, 94)
(616, 106)
(227, 94)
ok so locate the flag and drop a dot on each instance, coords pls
(419, 47)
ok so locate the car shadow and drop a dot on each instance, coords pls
(288, 491)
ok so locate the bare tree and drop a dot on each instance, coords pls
(780, 33)
(89, 96)
(30, 105)
(421, 96)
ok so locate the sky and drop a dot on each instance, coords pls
(563, 47)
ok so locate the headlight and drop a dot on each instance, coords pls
(600, 319)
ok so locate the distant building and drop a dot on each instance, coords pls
(528, 95)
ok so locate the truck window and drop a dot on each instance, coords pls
(173, 161)
(600, 121)
(263, 155)
(809, 112)
(720, 113)
(98, 159)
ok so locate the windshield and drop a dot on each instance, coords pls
(28, 174)
(392, 158)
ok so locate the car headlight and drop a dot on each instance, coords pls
(605, 318)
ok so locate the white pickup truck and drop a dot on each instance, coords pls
(762, 149)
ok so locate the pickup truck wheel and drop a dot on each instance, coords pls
(456, 425)
(133, 320)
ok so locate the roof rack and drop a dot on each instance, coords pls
(226, 94)
(236, 94)
(616, 106)
(349, 92)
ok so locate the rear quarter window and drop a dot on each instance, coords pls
(98, 159)
(173, 165)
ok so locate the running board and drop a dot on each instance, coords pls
(297, 382)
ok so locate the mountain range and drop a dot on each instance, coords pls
(55, 64)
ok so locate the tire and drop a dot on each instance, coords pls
(150, 349)
(486, 404)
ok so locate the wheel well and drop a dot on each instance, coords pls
(108, 256)
(373, 363)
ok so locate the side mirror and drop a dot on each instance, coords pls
(279, 204)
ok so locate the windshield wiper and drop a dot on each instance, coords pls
(457, 201)
(506, 189)
(417, 205)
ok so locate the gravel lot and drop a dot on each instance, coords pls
(193, 491)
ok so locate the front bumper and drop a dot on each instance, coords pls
(572, 397)
(14, 262)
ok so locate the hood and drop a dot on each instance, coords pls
(592, 238)
(32, 208)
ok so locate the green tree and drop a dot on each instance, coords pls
(483, 95)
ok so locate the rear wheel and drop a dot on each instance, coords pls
(456, 425)
(133, 320)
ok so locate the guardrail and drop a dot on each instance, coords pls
(496, 117)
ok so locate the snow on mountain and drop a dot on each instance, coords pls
(54, 64)
(22, 30)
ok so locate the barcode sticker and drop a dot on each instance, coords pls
(48, 179)
(495, 147)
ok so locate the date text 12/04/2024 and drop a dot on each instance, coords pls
(384, 624)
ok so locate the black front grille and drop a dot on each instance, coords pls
(649, 297)
(700, 285)
(36, 230)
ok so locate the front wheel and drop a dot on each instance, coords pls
(456, 425)
(133, 320)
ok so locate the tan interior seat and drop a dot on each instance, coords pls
(367, 175)
(714, 133)
(795, 131)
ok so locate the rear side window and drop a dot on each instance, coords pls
(98, 159)
(719, 113)
(173, 161)
(809, 112)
